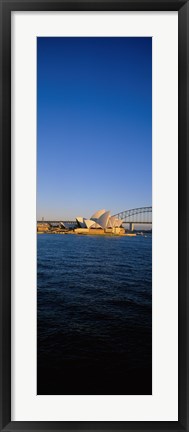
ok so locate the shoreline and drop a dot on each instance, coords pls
(89, 234)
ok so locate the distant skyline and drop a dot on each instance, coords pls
(94, 125)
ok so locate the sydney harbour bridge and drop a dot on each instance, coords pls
(132, 217)
(136, 216)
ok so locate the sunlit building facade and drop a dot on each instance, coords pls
(101, 221)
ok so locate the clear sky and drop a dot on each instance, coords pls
(94, 125)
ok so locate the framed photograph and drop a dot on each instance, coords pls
(94, 208)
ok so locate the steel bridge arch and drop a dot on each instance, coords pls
(136, 215)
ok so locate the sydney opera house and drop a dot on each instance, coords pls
(99, 223)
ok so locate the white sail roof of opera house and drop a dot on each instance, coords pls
(79, 220)
(98, 214)
(103, 219)
(89, 223)
(100, 219)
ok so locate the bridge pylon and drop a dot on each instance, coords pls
(131, 226)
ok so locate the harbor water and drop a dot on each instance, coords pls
(94, 314)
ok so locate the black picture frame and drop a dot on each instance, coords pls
(6, 7)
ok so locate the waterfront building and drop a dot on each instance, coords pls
(43, 227)
(100, 222)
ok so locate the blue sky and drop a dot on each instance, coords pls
(94, 125)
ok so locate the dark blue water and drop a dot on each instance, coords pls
(94, 314)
